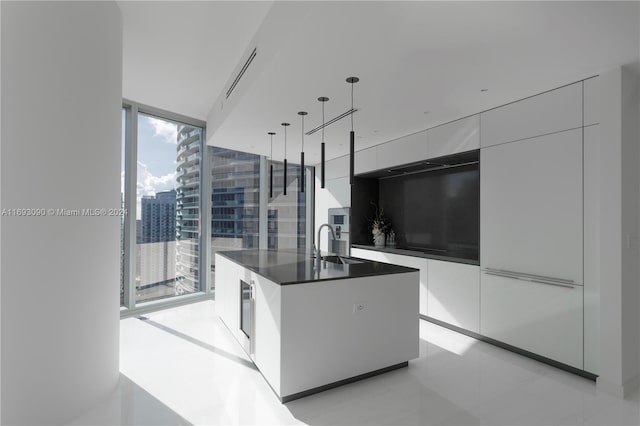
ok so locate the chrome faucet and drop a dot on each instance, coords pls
(333, 234)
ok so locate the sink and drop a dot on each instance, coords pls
(341, 260)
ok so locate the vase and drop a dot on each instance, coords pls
(378, 240)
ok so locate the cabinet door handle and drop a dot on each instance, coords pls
(534, 276)
(530, 277)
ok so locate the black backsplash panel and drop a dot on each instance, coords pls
(363, 192)
(435, 211)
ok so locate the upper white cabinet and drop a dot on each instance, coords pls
(454, 293)
(531, 206)
(554, 111)
(366, 160)
(407, 149)
(451, 138)
(592, 101)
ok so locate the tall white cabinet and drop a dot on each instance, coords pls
(531, 215)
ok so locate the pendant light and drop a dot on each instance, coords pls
(285, 125)
(271, 166)
(352, 135)
(322, 99)
(302, 114)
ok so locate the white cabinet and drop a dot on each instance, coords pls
(591, 101)
(227, 285)
(540, 318)
(366, 160)
(407, 149)
(454, 294)
(531, 206)
(376, 256)
(549, 112)
(451, 138)
(531, 215)
(267, 323)
(397, 259)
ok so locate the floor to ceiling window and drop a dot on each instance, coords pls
(161, 195)
(167, 208)
(172, 231)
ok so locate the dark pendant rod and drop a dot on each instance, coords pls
(271, 181)
(285, 177)
(322, 165)
(352, 137)
(302, 171)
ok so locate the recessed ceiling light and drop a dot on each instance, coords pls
(484, 90)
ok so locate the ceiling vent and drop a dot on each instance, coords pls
(333, 120)
(241, 73)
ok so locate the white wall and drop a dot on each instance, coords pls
(619, 318)
(61, 100)
(630, 89)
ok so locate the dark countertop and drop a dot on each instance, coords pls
(296, 267)
(469, 257)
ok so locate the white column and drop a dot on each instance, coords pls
(61, 100)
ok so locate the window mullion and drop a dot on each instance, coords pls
(130, 178)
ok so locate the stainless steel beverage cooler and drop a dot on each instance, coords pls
(339, 219)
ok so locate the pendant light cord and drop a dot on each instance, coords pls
(302, 132)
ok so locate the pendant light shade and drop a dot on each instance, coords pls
(302, 114)
(322, 99)
(284, 188)
(352, 135)
(271, 166)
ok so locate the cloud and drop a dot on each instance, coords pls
(165, 129)
(148, 184)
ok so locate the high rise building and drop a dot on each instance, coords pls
(188, 208)
(159, 217)
(235, 198)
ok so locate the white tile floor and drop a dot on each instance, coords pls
(181, 366)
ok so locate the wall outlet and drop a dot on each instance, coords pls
(358, 307)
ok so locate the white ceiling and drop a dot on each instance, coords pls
(420, 63)
(177, 55)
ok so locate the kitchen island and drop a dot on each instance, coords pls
(309, 327)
